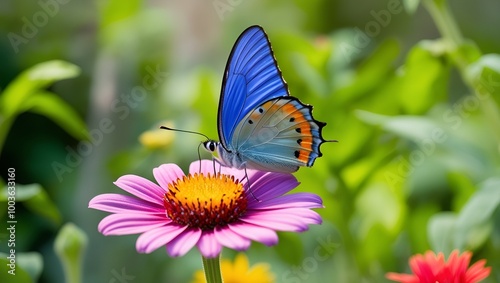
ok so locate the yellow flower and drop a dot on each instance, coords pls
(157, 138)
(240, 272)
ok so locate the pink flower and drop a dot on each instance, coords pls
(430, 268)
(206, 210)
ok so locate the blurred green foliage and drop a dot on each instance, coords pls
(409, 88)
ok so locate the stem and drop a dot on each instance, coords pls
(448, 28)
(211, 266)
(454, 40)
(444, 21)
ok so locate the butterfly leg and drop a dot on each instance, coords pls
(216, 161)
(249, 188)
(199, 158)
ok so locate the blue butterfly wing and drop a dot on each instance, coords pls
(251, 77)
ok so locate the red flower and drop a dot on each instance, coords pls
(432, 268)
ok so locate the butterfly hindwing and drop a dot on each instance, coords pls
(279, 134)
(251, 78)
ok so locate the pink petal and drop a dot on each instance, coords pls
(157, 237)
(254, 232)
(124, 204)
(297, 200)
(230, 239)
(255, 175)
(127, 224)
(204, 167)
(272, 185)
(276, 224)
(167, 174)
(184, 242)
(208, 245)
(141, 188)
(212, 166)
(300, 215)
(245, 176)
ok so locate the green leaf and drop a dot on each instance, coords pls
(374, 246)
(31, 80)
(440, 231)
(473, 224)
(411, 5)
(291, 256)
(468, 50)
(462, 186)
(22, 192)
(32, 262)
(425, 66)
(373, 72)
(115, 11)
(417, 223)
(21, 276)
(205, 100)
(485, 75)
(370, 213)
(35, 198)
(310, 74)
(50, 105)
(414, 128)
(487, 61)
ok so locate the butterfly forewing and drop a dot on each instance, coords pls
(251, 78)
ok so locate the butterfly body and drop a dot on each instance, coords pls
(260, 125)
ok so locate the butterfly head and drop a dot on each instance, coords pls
(216, 149)
(211, 146)
(224, 156)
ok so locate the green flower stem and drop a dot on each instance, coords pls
(455, 42)
(448, 28)
(70, 245)
(211, 266)
(444, 21)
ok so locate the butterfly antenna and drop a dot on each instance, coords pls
(189, 132)
(184, 131)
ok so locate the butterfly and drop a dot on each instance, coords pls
(260, 125)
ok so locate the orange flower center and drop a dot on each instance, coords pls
(205, 201)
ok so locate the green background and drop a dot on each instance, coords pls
(411, 90)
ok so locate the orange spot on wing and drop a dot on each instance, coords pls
(271, 106)
(255, 115)
(306, 142)
(305, 129)
(303, 156)
(292, 111)
(288, 108)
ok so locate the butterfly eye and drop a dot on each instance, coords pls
(210, 146)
